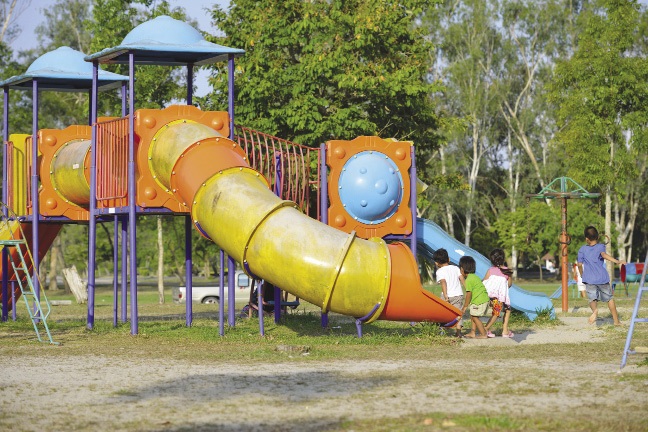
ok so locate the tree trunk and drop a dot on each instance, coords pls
(160, 270)
(78, 287)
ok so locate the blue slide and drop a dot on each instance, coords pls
(431, 237)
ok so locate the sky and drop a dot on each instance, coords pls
(33, 16)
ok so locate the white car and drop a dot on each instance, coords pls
(211, 294)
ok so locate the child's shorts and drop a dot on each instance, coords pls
(599, 292)
(456, 301)
(479, 310)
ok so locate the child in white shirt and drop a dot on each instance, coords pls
(451, 280)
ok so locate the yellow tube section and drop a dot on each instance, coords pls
(232, 204)
(68, 172)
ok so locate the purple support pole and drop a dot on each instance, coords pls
(34, 192)
(115, 270)
(323, 203)
(277, 191)
(413, 240)
(5, 286)
(124, 268)
(230, 93)
(190, 76)
(92, 227)
(13, 300)
(231, 291)
(188, 227)
(132, 216)
(188, 271)
(5, 195)
(231, 264)
(260, 307)
(124, 232)
(221, 293)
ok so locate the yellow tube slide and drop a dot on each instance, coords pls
(231, 204)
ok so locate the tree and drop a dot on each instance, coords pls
(600, 97)
(323, 70)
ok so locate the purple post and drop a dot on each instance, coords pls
(221, 293)
(92, 228)
(13, 300)
(34, 192)
(188, 227)
(323, 204)
(5, 286)
(5, 195)
(260, 307)
(231, 291)
(413, 240)
(190, 75)
(132, 216)
(278, 185)
(115, 270)
(124, 268)
(188, 271)
(230, 93)
(124, 233)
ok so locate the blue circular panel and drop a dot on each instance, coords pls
(370, 187)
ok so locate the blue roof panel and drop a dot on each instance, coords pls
(63, 69)
(165, 41)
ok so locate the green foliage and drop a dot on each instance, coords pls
(325, 70)
(599, 93)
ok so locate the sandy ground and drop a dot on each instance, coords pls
(101, 393)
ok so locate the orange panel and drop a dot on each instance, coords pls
(339, 152)
(51, 141)
(148, 122)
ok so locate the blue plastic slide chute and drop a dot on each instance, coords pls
(431, 237)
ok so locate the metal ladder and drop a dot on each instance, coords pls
(635, 319)
(25, 282)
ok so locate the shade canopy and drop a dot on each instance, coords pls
(63, 69)
(165, 41)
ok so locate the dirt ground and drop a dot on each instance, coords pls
(120, 393)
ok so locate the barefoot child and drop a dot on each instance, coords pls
(476, 297)
(591, 263)
(451, 280)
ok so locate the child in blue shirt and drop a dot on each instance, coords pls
(591, 264)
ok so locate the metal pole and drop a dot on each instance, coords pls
(221, 293)
(413, 239)
(190, 76)
(231, 264)
(115, 270)
(323, 204)
(92, 226)
(124, 230)
(188, 227)
(188, 272)
(34, 193)
(5, 196)
(132, 215)
(124, 268)
(564, 256)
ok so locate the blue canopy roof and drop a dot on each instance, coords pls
(165, 41)
(63, 69)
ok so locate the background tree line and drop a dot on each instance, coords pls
(499, 96)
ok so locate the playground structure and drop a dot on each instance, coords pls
(244, 190)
